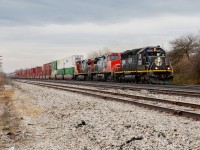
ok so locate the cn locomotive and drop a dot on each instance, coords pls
(143, 65)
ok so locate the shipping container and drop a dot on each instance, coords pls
(32, 72)
(47, 66)
(60, 72)
(38, 72)
(46, 71)
(68, 62)
(20, 73)
(69, 71)
(29, 73)
(24, 73)
(54, 65)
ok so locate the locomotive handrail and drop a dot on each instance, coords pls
(148, 71)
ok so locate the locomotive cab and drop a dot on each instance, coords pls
(105, 66)
(159, 69)
(148, 65)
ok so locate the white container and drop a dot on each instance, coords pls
(68, 62)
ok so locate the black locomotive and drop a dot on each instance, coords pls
(147, 65)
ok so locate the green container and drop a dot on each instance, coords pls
(69, 71)
(61, 72)
(54, 65)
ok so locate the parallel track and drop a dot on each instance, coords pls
(134, 99)
(171, 91)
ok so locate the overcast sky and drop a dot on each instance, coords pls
(34, 32)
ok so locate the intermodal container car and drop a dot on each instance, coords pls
(24, 73)
(66, 66)
(46, 71)
(38, 72)
(68, 62)
(54, 65)
(33, 73)
(29, 73)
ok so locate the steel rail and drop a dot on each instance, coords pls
(192, 105)
(135, 88)
(183, 113)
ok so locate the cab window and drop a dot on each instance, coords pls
(155, 54)
(114, 57)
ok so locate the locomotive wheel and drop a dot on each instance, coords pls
(109, 78)
(75, 77)
(84, 78)
(92, 78)
(137, 78)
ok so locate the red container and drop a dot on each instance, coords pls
(47, 70)
(29, 73)
(32, 72)
(24, 73)
(38, 71)
(20, 73)
(17, 74)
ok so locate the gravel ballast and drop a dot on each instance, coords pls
(53, 119)
(143, 92)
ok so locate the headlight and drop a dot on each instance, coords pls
(168, 68)
(158, 61)
(156, 68)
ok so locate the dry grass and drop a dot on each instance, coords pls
(29, 110)
(5, 105)
(1, 81)
(7, 115)
(184, 79)
(9, 120)
(185, 73)
(6, 95)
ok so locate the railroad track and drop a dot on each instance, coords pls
(158, 90)
(131, 99)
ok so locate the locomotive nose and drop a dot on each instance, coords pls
(117, 67)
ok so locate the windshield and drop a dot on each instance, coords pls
(114, 57)
(155, 54)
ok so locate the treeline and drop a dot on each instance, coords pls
(185, 59)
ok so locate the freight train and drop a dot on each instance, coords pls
(143, 65)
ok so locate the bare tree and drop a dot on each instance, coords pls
(185, 58)
(196, 67)
(184, 46)
(99, 53)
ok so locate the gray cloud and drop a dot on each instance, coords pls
(34, 32)
(41, 12)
